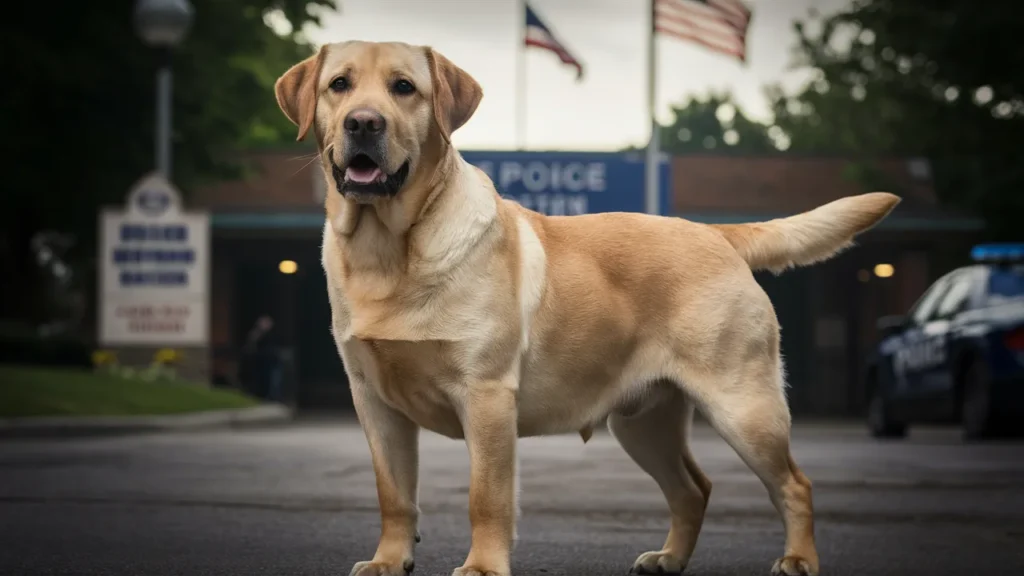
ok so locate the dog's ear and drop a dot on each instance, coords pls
(296, 92)
(456, 94)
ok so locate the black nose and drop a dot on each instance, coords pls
(364, 123)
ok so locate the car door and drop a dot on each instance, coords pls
(935, 372)
(907, 367)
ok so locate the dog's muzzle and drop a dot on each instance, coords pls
(363, 177)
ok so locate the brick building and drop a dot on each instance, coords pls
(827, 312)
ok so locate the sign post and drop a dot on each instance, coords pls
(154, 279)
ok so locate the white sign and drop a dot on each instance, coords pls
(154, 272)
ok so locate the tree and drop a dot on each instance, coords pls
(80, 103)
(714, 123)
(929, 77)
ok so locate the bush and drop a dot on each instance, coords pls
(22, 344)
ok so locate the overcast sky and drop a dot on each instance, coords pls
(608, 109)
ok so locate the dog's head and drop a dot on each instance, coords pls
(382, 113)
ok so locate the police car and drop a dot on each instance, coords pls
(958, 354)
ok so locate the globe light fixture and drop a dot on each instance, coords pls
(163, 24)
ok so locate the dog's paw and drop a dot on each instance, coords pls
(382, 569)
(476, 571)
(659, 562)
(793, 566)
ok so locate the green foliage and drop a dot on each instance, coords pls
(80, 112)
(713, 124)
(29, 391)
(920, 77)
(24, 344)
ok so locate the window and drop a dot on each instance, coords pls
(926, 304)
(955, 298)
(1005, 284)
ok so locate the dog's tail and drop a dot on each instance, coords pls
(809, 237)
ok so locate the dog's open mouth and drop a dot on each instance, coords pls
(364, 177)
(363, 170)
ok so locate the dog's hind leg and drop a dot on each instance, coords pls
(656, 440)
(747, 406)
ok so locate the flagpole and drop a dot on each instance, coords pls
(521, 78)
(653, 155)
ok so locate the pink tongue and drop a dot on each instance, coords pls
(362, 175)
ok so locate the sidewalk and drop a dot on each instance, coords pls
(267, 414)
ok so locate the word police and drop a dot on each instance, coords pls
(919, 356)
(553, 188)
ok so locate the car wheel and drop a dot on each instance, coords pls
(880, 422)
(977, 409)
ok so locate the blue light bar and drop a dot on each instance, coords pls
(998, 253)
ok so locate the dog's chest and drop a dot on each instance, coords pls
(415, 378)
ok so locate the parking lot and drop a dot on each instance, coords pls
(300, 499)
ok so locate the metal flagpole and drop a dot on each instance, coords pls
(521, 79)
(652, 162)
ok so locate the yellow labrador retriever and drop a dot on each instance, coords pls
(463, 313)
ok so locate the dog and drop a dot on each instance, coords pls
(460, 312)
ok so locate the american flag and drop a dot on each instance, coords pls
(539, 35)
(719, 25)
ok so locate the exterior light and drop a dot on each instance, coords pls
(163, 23)
(288, 267)
(884, 270)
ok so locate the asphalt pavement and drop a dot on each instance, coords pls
(300, 499)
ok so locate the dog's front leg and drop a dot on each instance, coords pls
(394, 448)
(490, 426)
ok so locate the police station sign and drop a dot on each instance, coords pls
(154, 276)
(569, 183)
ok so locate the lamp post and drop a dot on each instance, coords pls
(163, 24)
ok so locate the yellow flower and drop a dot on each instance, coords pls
(166, 356)
(103, 357)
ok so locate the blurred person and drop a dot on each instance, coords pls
(260, 355)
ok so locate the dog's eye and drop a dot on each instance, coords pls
(403, 87)
(339, 84)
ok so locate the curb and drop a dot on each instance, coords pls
(63, 426)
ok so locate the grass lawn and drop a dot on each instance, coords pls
(30, 391)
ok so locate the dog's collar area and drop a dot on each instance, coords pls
(387, 186)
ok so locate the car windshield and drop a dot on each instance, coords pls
(1006, 284)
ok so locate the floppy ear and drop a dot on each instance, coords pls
(456, 94)
(296, 92)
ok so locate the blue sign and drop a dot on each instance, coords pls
(154, 232)
(127, 256)
(572, 183)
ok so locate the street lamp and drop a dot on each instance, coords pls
(163, 24)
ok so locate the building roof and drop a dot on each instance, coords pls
(736, 188)
(288, 185)
(275, 179)
(775, 183)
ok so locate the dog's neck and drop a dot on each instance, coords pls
(388, 279)
(430, 227)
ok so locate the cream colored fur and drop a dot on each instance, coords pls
(806, 238)
(460, 312)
